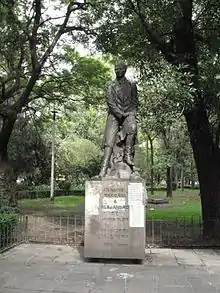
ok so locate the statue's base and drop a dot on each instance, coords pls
(114, 219)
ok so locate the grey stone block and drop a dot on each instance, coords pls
(114, 220)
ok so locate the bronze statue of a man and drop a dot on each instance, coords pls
(122, 101)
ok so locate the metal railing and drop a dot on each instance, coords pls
(179, 232)
(63, 229)
(56, 229)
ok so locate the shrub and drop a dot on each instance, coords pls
(64, 185)
(8, 222)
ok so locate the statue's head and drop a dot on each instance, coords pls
(120, 68)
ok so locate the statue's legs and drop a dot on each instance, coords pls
(129, 149)
(112, 127)
(131, 126)
(106, 160)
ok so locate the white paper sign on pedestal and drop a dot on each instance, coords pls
(136, 215)
(92, 202)
(135, 193)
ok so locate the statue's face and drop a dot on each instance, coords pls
(120, 70)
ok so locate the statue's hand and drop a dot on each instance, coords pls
(129, 114)
(126, 114)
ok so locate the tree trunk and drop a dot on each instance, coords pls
(8, 192)
(174, 175)
(207, 158)
(5, 134)
(169, 182)
(192, 182)
(182, 178)
(206, 153)
(7, 180)
(158, 178)
(151, 166)
(147, 158)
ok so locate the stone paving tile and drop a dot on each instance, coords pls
(187, 257)
(141, 287)
(9, 290)
(44, 268)
(68, 258)
(110, 285)
(204, 252)
(176, 290)
(160, 257)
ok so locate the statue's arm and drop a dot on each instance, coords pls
(111, 103)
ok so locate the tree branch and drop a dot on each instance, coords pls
(79, 28)
(8, 93)
(24, 98)
(50, 18)
(186, 6)
(33, 37)
(7, 111)
(158, 42)
(201, 13)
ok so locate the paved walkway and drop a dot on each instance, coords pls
(35, 268)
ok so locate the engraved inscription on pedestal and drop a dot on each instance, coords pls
(114, 220)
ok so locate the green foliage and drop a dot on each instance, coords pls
(65, 185)
(78, 160)
(80, 82)
(87, 123)
(147, 34)
(142, 161)
(32, 74)
(29, 152)
(8, 222)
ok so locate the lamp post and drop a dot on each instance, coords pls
(52, 155)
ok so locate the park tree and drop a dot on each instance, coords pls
(85, 122)
(79, 118)
(185, 34)
(77, 160)
(29, 151)
(28, 40)
(33, 74)
(79, 139)
(160, 119)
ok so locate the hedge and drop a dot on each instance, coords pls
(8, 222)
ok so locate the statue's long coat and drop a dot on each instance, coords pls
(121, 97)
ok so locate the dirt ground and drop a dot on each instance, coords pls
(70, 230)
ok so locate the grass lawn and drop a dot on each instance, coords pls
(184, 205)
(60, 203)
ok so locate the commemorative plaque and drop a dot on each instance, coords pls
(114, 219)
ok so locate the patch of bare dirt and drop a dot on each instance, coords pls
(47, 229)
(70, 230)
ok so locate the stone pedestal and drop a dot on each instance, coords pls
(114, 219)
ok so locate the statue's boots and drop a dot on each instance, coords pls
(105, 163)
(129, 156)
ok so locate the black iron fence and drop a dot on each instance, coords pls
(56, 229)
(61, 229)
